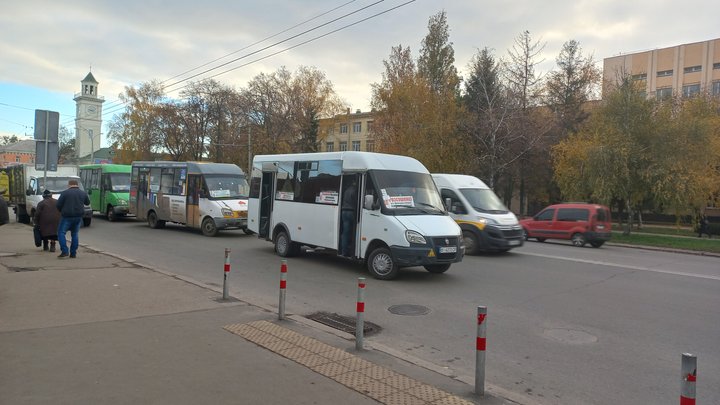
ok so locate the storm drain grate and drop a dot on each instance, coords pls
(409, 309)
(343, 323)
(19, 269)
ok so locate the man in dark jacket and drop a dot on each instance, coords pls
(71, 205)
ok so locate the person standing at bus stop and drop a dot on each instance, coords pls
(47, 217)
(71, 205)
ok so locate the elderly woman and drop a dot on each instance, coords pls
(47, 217)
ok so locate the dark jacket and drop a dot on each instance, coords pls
(4, 216)
(72, 202)
(47, 217)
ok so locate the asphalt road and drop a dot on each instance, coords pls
(565, 325)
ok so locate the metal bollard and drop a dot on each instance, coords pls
(283, 284)
(480, 344)
(360, 324)
(226, 273)
(689, 376)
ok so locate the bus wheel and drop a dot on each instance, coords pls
(110, 214)
(381, 265)
(153, 221)
(208, 227)
(470, 241)
(284, 247)
(437, 268)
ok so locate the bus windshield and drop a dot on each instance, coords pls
(120, 182)
(484, 200)
(226, 186)
(407, 193)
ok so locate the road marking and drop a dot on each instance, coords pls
(625, 266)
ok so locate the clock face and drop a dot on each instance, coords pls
(91, 109)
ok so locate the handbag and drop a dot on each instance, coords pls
(38, 237)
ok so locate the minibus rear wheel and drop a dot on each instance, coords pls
(381, 265)
(153, 221)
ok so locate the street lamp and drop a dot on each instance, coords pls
(92, 146)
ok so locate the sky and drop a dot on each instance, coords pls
(48, 47)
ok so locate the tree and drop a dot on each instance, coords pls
(312, 97)
(571, 86)
(66, 145)
(437, 57)
(9, 140)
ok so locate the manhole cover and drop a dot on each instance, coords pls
(570, 336)
(409, 309)
(343, 323)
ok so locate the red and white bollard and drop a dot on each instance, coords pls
(360, 324)
(480, 344)
(689, 376)
(226, 273)
(283, 285)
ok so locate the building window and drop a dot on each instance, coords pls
(17, 158)
(370, 146)
(369, 126)
(330, 147)
(356, 145)
(343, 146)
(641, 76)
(716, 65)
(664, 73)
(716, 88)
(357, 127)
(691, 90)
(343, 128)
(691, 69)
(664, 93)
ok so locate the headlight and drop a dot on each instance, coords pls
(487, 221)
(226, 212)
(414, 237)
(122, 202)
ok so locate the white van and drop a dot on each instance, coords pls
(487, 225)
(394, 216)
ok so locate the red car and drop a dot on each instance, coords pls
(579, 222)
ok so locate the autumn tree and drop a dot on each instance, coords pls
(437, 57)
(66, 145)
(568, 88)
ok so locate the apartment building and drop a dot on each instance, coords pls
(679, 70)
(349, 131)
(17, 153)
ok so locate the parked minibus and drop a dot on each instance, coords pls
(396, 216)
(108, 186)
(487, 225)
(201, 195)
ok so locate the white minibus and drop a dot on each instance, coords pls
(487, 225)
(204, 195)
(394, 215)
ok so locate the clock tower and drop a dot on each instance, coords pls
(88, 117)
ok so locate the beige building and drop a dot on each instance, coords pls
(347, 132)
(679, 70)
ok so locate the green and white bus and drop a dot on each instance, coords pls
(108, 186)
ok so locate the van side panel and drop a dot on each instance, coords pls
(317, 226)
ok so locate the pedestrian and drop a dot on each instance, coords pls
(71, 205)
(704, 226)
(347, 217)
(4, 216)
(47, 217)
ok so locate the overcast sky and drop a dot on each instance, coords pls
(48, 47)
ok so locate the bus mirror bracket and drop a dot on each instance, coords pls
(368, 203)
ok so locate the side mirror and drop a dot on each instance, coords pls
(29, 191)
(368, 202)
(448, 204)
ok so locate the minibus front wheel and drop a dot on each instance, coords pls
(208, 227)
(381, 264)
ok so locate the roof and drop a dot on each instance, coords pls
(90, 78)
(24, 146)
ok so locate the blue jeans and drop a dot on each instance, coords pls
(71, 224)
(348, 228)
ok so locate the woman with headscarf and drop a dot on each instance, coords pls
(47, 217)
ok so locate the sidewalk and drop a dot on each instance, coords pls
(102, 329)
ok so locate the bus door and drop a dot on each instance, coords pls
(105, 188)
(349, 215)
(267, 193)
(192, 214)
(142, 192)
(94, 191)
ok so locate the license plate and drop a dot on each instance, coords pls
(447, 249)
(513, 242)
